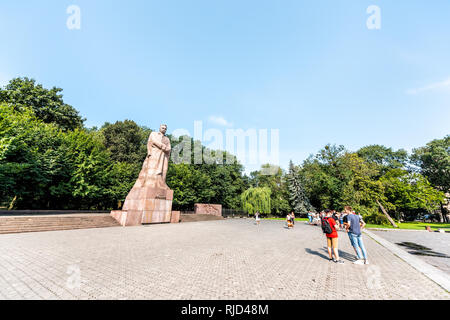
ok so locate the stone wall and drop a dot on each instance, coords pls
(175, 217)
(211, 209)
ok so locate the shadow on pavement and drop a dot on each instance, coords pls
(317, 253)
(342, 254)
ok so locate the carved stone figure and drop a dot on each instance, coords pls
(154, 169)
(150, 199)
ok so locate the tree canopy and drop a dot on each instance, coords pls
(433, 162)
(256, 200)
(47, 104)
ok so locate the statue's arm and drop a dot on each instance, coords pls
(149, 145)
(157, 144)
(168, 147)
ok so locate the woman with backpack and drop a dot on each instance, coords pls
(329, 228)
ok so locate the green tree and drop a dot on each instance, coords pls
(297, 195)
(28, 160)
(227, 183)
(190, 186)
(409, 194)
(322, 183)
(384, 157)
(433, 162)
(361, 185)
(256, 200)
(47, 104)
(44, 167)
(276, 182)
(126, 141)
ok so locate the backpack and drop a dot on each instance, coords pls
(326, 227)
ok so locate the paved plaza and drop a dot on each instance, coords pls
(229, 259)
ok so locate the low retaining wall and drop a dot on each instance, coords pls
(210, 209)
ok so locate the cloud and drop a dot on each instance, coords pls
(433, 86)
(221, 121)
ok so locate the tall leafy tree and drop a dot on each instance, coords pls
(409, 194)
(47, 104)
(384, 157)
(190, 186)
(277, 184)
(256, 200)
(126, 141)
(44, 167)
(297, 195)
(217, 182)
(433, 162)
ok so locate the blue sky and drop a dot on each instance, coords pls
(311, 69)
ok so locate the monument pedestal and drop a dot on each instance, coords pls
(145, 205)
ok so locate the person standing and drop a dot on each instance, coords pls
(329, 228)
(318, 218)
(354, 225)
(310, 217)
(336, 218)
(293, 219)
(257, 218)
(341, 220)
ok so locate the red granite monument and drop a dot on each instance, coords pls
(150, 199)
(210, 209)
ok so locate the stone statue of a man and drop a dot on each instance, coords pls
(154, 169)
(150, 199)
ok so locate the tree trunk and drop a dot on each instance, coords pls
(443, 214)
(11, 205)
(441, 217)
(387, 215)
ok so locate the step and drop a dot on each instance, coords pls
(14, 224)
(58, 226)
(51, 222)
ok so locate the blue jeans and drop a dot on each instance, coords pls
(358, 244)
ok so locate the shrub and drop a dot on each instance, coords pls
(373, 216)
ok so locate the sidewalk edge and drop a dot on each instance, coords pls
(433, 273)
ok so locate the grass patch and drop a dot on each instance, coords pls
(412, 226)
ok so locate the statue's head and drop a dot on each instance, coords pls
(163, 128)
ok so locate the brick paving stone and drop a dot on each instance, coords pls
(228, 259)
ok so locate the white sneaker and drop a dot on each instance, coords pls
(358, 262)
(366, 262)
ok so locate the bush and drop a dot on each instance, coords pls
(373, 216)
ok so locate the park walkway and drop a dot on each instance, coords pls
(229, 259)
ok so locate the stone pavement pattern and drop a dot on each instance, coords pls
(438, 242)
(228, 259)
